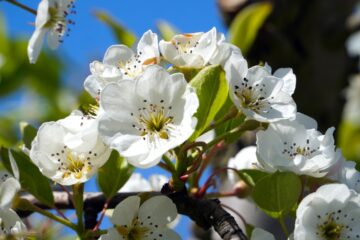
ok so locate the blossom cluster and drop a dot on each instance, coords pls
(11, 226)
(146, 110)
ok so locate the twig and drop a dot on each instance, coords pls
(206, 213)
(26, 8)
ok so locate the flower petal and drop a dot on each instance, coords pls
(157, 211)
(126, 211)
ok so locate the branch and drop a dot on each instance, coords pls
(205, 212)
(20, 5)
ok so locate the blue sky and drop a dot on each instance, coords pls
(90, 38)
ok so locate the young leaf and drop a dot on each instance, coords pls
(247, 23)
(32, 180)
(212, 90)
(114, 174)
(166, 30)
(277, 193)
(28, 133)
(122, 34)
(349, 140)
(251, 176)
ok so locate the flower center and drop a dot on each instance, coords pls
(187, 44)
(154, 120)
(59, 18)
(293, 149)
(72, 163)
(134, 231)
(76, 166)
(250, 97)
(330, 230)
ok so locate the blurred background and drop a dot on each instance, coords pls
(310, 36)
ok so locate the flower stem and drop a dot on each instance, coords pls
(96, 228)
(78, 191)
(22, 6)
(206, 160)
(169, 163)
(245, 126)
(24, 204)
(283, 226)
(233, 112)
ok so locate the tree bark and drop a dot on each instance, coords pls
(206, 213)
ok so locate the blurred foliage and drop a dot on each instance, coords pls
(40, 83)
(349, 140)
(166, 30)
(122, 34)
(244, 28)
(115, 171)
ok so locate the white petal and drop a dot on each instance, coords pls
(148, 46)
(157, 181)
(260, 234)
(35, 44)
(116, 54)
(126, 211)
(53, 39)
(14, 166)
(112, 234)
(289, 79)
(163, 233)
(136, 183)
(42, 14)
(8, 189)
(159, 210)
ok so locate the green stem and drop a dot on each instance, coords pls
(24, 204)
(233, 112)
(283, 226)
(22, 6)
(245, 126)
(78, 191)
(169, 163)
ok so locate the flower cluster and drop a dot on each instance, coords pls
(147, 113)
(11, 226)
(148, 221)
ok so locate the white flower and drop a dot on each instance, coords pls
(332, 212)
(11, 226)
(147, 116)
(147, 222)
(244, 159)
(261, 95)
(260, 234)
(349, 175)
(51, 18)
(101, 75)
(69, 151)
(352, 106)
(137, 183)
(191, 49)
(120, 62)
(296, 146)
(9, 186)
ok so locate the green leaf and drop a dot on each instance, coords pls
(166, 30)
(212, 89)
(122, 34)
(28, 133)
(247, 23)
(251, 176)
(32, 180)
(349, 140)
(114, 174)
(277, 193)
(227, 126)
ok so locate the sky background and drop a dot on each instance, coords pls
(90, 38)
